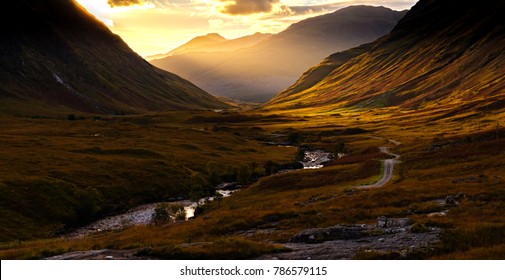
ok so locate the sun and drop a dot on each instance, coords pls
(104, 12)
(99, 8)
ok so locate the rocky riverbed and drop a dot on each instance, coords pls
(141, 215)
(399, 236)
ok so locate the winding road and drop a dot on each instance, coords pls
(389, 165)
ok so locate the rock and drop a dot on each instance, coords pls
(384, 222)
(451, 201)
(318, 235)
(438, 214)
(460, 195)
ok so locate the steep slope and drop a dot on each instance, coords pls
(59, 57)
(257, 73)
(214, 43)
(436, 56)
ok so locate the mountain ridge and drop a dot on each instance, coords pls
(213, 42)
(258, 72)
(61, 58)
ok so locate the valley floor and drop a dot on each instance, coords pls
(445, 200)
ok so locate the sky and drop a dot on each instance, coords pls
(158, 26)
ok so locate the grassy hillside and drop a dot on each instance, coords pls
(60, 58)
(56, 174)
(423, 63)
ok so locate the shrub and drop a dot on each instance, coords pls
(419, 228)
(165, 213)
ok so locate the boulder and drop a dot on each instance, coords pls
(384, 222)
(451, 201)
(339, 232)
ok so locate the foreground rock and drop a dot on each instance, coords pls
(98, 255)
(346, 241)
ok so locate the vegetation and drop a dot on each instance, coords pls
(271, 209)
(165, 213)
(57, 175)
(59, 172)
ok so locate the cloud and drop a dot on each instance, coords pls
(156, 3)
(246, 7)
(123, 3)
(317, 8)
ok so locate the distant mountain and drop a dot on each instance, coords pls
(259, 72)
(437, 56)
(58, 57)
(214, 43)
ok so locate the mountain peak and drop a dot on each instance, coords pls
(62, 58)
(215, 36)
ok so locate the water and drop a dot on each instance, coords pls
(315, 159)
(190, 209)
(141, 215)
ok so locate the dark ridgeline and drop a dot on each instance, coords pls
(56, 57)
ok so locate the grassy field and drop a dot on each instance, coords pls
(56, 174)
(126, 161)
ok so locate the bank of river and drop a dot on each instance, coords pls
(143, 215)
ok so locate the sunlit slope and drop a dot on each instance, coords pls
(259, 72)
(214, 43)
(435, 56)
(58, 57)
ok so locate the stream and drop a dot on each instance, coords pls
(315, 159)
(143, 214)
(140, 215)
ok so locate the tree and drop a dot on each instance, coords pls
(165, 213)
(271, 167)
(197, 186)
(294, 138)
(213, 173)
(161, 215)
(340, 148)
(243, 174)
(300, 155)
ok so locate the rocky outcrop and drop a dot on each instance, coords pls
(384, 225)
(319, 235)
(346, 241)
(384, 222)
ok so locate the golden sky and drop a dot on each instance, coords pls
(158, 26)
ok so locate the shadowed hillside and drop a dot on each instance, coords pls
(457, 59)
(257, 73)
(59, 57)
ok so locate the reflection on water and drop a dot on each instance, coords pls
(190, 209)
(315, 159)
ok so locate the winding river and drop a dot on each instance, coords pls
(143, 214)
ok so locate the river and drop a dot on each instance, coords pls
(143, 214)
